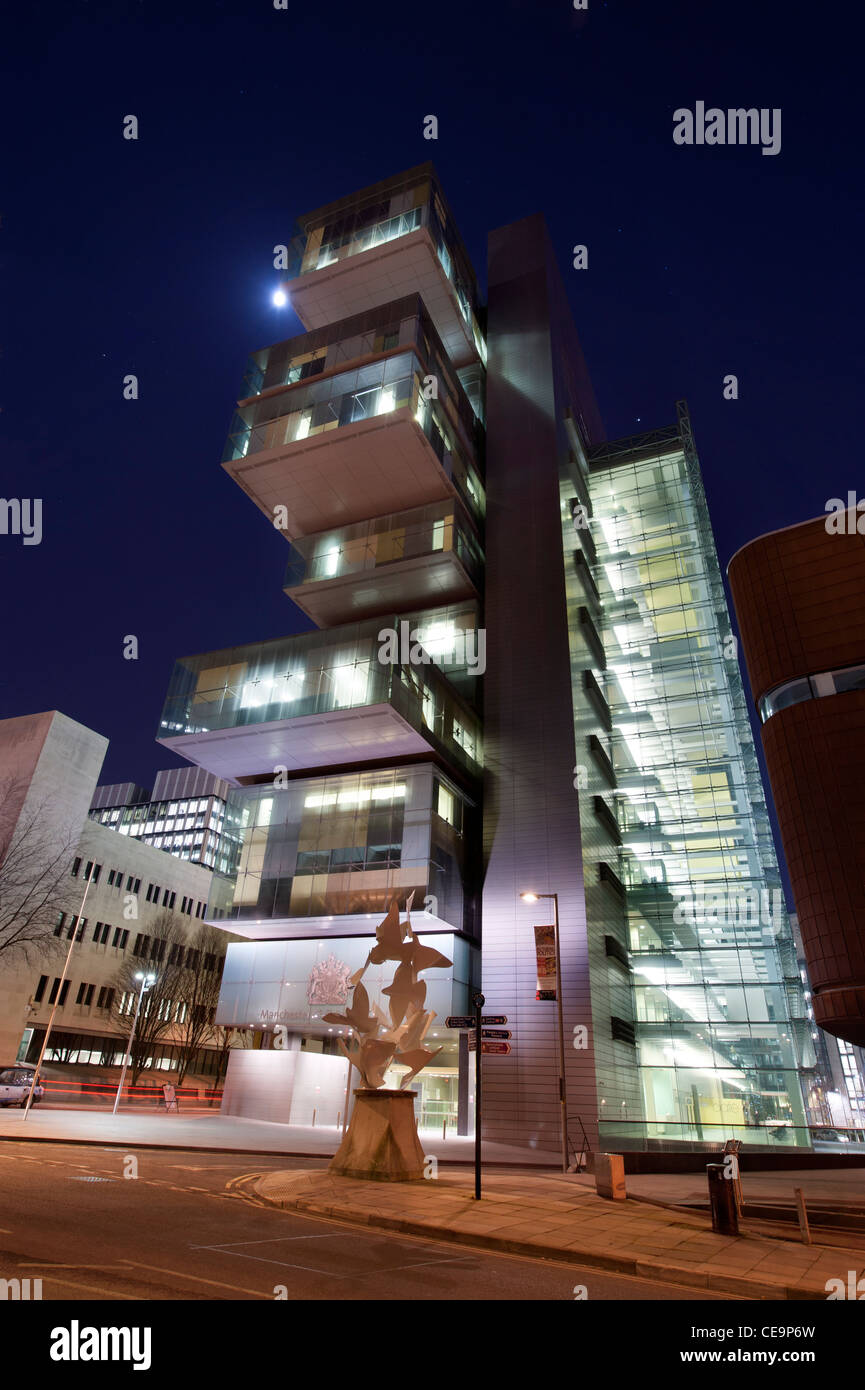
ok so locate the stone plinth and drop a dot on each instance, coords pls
(381, 1143)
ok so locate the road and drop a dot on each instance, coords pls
(100, 1223)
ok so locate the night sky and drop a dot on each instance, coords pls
(154, 257)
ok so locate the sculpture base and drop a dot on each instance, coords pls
(381, 1142)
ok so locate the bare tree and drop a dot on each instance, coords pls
(227, 1036)
(199, 995)
(165, 961)
(34, 873)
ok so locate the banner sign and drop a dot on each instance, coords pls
(545, 948)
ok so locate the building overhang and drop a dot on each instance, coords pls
(407, 265)
(345, 475)
(369, 733)
(424, 581)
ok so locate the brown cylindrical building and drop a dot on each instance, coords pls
(799, 596)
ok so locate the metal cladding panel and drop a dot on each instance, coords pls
(800, 602)
(531, 816)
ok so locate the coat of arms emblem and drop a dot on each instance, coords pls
(329, 982)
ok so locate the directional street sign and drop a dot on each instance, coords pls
(467, 1021)
(495, 1033)
(499, 1048)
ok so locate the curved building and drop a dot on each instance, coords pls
(799, 596)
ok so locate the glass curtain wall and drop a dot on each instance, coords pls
(719, 1015)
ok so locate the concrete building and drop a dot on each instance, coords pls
(521, 682)
(50, 765)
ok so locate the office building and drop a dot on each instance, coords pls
(518, 684)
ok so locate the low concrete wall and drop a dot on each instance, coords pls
(285, 1087)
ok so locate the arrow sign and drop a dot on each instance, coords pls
(466, 1021)
(498, 1048)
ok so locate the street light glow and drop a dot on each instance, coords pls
(280, 298)
(529, 897)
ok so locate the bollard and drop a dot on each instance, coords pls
(610, 1177)
(444, 1129)
(802, 1213)
(722, 1200)
(313, 1119)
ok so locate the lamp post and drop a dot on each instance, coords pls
(147, 982)
(76, 927)
(563, 1095)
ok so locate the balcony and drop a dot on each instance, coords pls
(340, 427)
(419, 559)
(395, 237)
(315, 701)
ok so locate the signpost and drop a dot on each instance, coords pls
(484, 1040)
(478, 1002)
(468, 1020)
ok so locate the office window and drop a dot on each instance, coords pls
(85, 994)
(40, 989)
(105, 998)
(121, 936)
(63, 993)
(61, 918)
(140, 947)
(76, 865)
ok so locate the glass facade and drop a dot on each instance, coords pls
(337, 669)
(679, 859)
(201, 829)
(440, 528)
(381, 215)
(351, 843)
(324, 380)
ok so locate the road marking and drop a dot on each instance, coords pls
(196, 1278)
(95, 1288)
(230, 1245)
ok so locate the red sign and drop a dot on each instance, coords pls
(545, 948)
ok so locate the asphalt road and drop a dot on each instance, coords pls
(104, 1224)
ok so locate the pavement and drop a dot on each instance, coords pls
(525, 1210)
(825, 1187)
(210, 1130)
(558, 1217)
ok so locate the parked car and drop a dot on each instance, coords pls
(15, 1083)
(830, 1136)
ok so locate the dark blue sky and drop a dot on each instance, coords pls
(155, 257)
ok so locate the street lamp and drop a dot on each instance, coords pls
(563, 1095)
(147, 982)
(77, 927)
